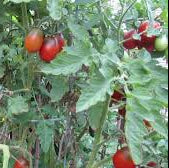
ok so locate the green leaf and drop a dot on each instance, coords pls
(95, 91)
(59, 88)
(6, 155)
(45, 132)
(95, 114)
(69, 62)
(78, 31)
(148, 96)
(17, 105)
(55, 9)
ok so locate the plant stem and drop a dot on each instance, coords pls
(25, 19)
(122, 17)
(97, 140)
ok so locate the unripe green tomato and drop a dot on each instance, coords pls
(161, 43)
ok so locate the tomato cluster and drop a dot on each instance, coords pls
(48, 47)
(150, 43)
(21, 163)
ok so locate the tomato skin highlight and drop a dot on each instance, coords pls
(152, 164)
(49, 49)
(147, 42)
(34, 40)
(161, 43)
(132, 43)
(122, 159)
(21, 163)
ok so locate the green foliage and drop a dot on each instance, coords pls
(56, 103)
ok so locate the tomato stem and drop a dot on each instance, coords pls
(122, 17)
(97, 140)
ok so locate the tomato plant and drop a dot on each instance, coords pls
(77, 83)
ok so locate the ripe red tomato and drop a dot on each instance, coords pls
(21, 163)
(146, 41)
(117, 96)
(122, 159)
(61, 42)
(132, 43)
(49, 50)
(152, 164)
(34, 40)
(122, 111)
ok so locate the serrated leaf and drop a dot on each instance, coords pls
(59, 88)
(95, 91)
(134, 131)
(55, 9)
(145, 101)
(45, 132)
(78, 31)
(17, 105)
(6, 155)
(95, 114)
(70, 62)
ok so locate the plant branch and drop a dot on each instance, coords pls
(122, 17)
(97, 140)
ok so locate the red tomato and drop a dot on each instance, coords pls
(122, 159)
(132, 43)
(147, 124)
(61, 42)
(21, 163)
(122, 111)
(49, 49)
(147, 42)
(117, 96)
(34, 40)
(152, 164)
